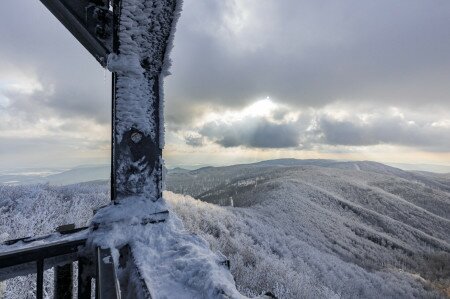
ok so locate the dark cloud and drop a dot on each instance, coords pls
(384, 130)
(253, 133)
(316, 129)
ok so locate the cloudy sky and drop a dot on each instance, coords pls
(251, 80)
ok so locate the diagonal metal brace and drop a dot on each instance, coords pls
(90, 21)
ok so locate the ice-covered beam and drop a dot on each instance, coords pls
(142, 40)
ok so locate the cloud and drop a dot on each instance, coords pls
(310, 54)
(69, 102)
(195, 141)
(54, 97)
(384, 129)
(36, 48)
(254, 132)
(304, 53)
(318, 128)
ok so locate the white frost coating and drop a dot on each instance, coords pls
(167, 63)
(134, 98)
(162, 128)
(107, 260)
(125, 63)
(163, 173)
(143, 30)
(145, 37)
(173, 262)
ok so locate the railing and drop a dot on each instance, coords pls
(68, 246)
(60, 251)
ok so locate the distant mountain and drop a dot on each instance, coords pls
(178, 170)
(80, 174)
(423, 167)
(86, 173)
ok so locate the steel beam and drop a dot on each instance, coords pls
(137, 156)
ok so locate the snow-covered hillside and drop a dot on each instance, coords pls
(33, 210)
(298, 228)
(357, 229)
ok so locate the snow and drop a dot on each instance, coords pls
(273, 252)
(302, 231)
(37, 210)
(173, 262)
(107, 260)
(46, 240)
(322, 230)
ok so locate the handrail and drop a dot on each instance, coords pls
(60, 252)
(39, 252)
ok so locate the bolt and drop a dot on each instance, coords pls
(136, 137)
(100, 31)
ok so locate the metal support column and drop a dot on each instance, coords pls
(137, 156)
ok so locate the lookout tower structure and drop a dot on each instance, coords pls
(132, 39)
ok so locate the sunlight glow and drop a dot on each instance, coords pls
(261, 108)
